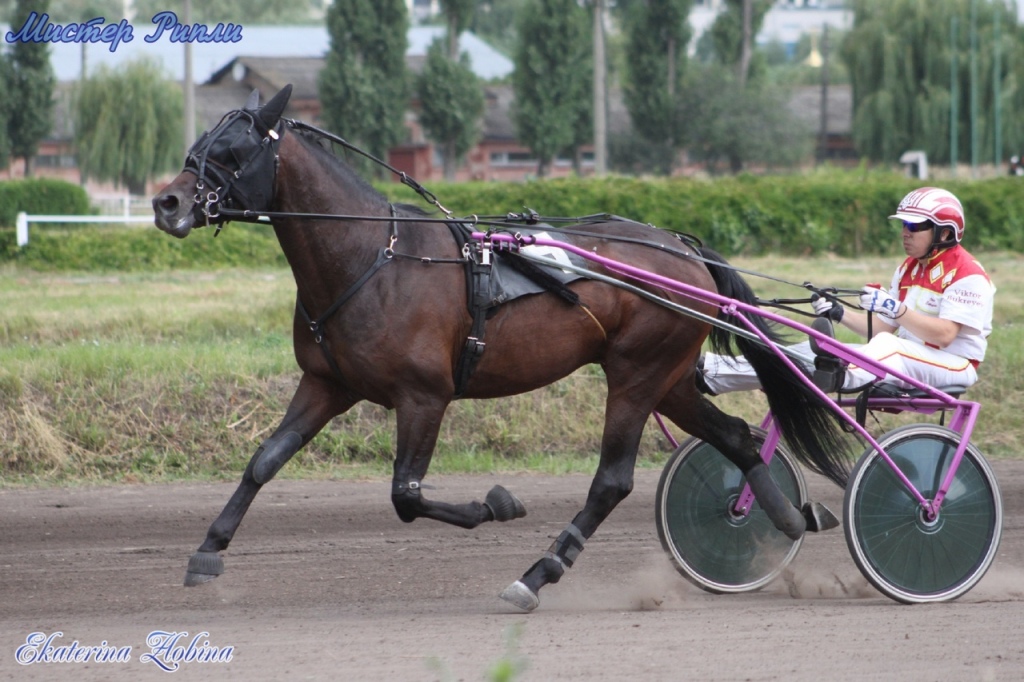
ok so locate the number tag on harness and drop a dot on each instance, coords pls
(559, 256)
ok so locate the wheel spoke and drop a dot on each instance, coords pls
(906, 556)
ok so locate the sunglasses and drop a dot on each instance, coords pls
(918, 227)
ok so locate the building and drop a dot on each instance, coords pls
(267, 58)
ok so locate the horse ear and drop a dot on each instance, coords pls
(272, 110)
(253, 101)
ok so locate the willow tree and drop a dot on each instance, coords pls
(553, 78)
(128, 125)
(363, 85)
(910, 65)
(657, 33)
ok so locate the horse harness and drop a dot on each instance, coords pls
(477, 256)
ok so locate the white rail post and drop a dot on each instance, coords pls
(21, 228)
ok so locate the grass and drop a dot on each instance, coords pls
(181, 375)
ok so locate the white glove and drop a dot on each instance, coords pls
(824, 307)
(881, 302)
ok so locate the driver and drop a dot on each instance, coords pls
(932, 322)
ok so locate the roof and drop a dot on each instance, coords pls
(499, 100)
(275, 72)
(257, 42)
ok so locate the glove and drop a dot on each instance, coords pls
(825, 307)
(881, 302)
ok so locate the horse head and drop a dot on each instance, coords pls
(230, 166)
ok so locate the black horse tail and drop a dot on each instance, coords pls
(810, 426)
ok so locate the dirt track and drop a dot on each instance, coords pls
(323, 582)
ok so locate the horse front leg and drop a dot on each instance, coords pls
(419, 422)
(613, 482)
(314, 404)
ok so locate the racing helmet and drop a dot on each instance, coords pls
(937, 205)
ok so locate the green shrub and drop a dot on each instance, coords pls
(40, 196)
(127, 249)
(828, 211)
(843, 212)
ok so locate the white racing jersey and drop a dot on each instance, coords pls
(950, 285)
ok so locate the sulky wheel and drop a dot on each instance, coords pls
(713, 547)
(906, 555)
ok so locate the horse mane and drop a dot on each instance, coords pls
(323, 148)
(325, 151)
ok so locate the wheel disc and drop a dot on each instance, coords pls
(709, 543)
(908, 554)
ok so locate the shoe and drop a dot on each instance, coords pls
(822, 325)
(829, 371)
(702, 384)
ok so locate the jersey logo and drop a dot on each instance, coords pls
(936, 273)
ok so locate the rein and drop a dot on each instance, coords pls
(211, 208)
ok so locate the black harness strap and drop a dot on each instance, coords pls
(478, 274)
(384, 256)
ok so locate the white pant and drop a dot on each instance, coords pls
(930, 366)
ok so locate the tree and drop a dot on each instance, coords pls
(30, 93)
(552, 78)
(901, 56)
(495, 22)
(657, 32)
(128, 125)
(363, 83)
(451, 102)
(732, 35)
(738, 124)
(244, 12)
(6, 76)
(68, 11)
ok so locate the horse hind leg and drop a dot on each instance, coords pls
(730, 435)
(314, 404)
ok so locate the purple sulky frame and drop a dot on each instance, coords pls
(965, 413)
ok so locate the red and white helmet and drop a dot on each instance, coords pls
(934, 204)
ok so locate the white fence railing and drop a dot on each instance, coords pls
(23, 220)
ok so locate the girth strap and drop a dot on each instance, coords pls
(478, 274)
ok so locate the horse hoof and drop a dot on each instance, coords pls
(202, 568)
(504, 505)
(819, 517)
(520, 596)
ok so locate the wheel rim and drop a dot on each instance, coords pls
(907, 554)
(716, 548)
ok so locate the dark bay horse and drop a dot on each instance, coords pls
(391, 329)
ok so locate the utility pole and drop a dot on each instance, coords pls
(954, 95)
(823, 143)
(600, 93)
(187, 85)
(997, 77)
(975, 145)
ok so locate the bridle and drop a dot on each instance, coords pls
(256, 143)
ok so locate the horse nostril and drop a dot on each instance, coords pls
(167, 203)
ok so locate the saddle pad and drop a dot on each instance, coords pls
(508, 283)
